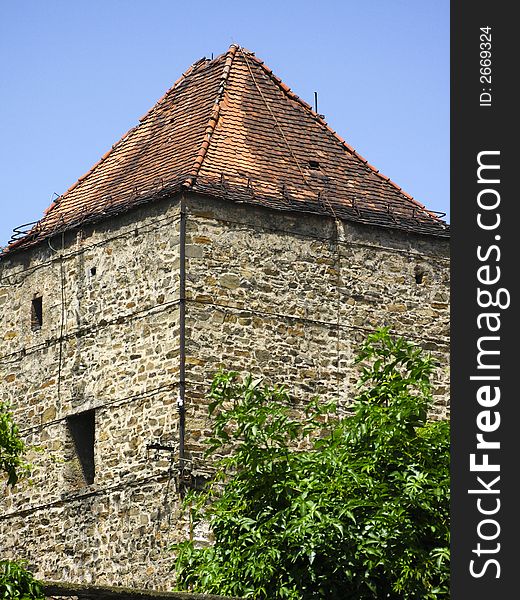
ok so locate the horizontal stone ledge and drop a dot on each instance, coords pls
(95, 592)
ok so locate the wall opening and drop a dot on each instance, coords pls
(419, 274)
(82, 428)
(314, 164)
(36, 313)
(93, 271)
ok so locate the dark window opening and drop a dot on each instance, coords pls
(419, 275)
(93, 271)
(36, 313)
(82, 428)
(314, 164)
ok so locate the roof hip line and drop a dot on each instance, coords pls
(323, 123)
(57, 200)
(275, 119)
(321, 197)
(213, 118)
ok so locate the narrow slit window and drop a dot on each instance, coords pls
(82, 428)
(36, 313)
(419, 274)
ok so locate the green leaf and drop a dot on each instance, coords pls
(311, 505)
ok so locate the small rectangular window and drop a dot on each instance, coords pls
(36, 313)
(82, 428)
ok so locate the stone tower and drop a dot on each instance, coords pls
(232, 227)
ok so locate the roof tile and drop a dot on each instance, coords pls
(230, 128)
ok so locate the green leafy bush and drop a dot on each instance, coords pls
(15, 580)
(12, 447)
(18, 582)
(320, 507)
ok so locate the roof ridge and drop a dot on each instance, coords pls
(321, 121)
(125, 136)
(213, 118)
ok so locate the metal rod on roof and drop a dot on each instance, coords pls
(316, 102)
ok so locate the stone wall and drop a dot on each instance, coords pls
(291, 297)
(288, 296)
(109, 341)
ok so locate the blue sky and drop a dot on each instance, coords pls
(75, 76)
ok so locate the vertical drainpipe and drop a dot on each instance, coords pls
(182, 335)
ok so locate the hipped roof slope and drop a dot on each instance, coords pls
(230, 128)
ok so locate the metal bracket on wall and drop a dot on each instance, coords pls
(184, 479)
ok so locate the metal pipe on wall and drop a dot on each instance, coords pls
(182, 333)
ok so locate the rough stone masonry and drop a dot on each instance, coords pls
(276, 294)
(109, 324)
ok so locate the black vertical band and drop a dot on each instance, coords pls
(484, 333)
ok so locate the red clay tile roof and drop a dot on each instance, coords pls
(230, 128)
